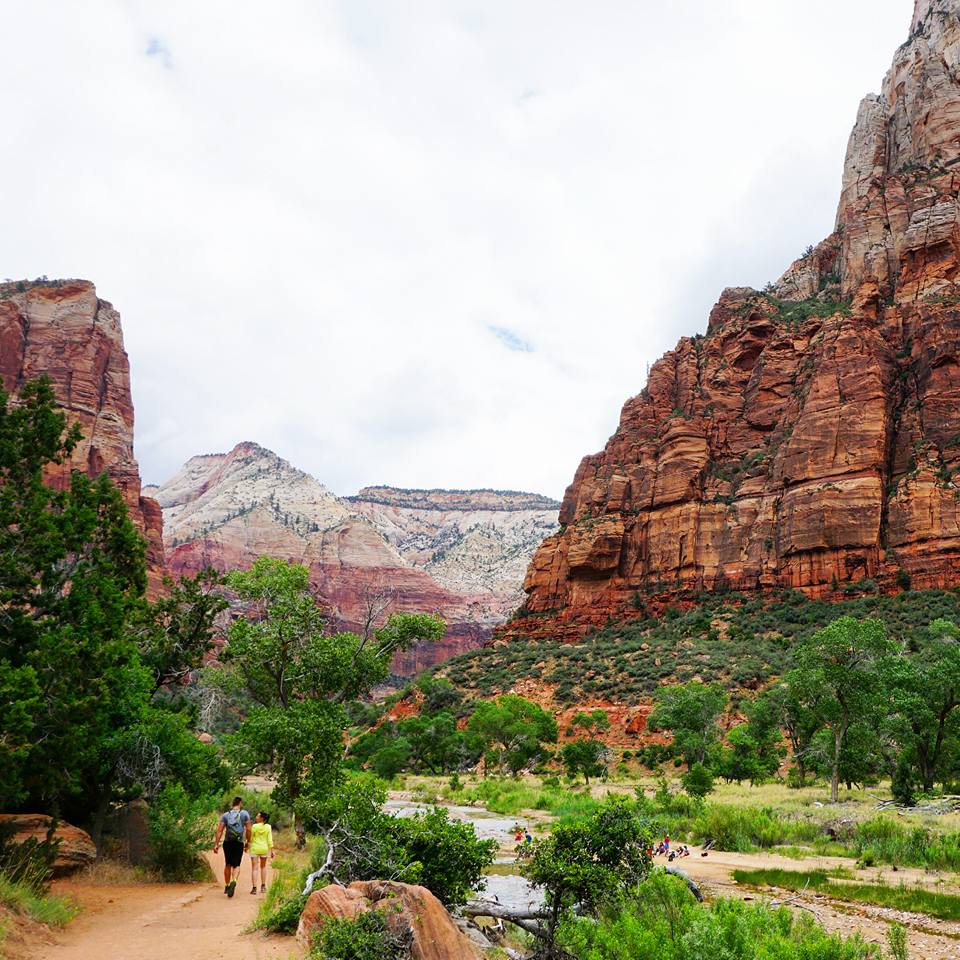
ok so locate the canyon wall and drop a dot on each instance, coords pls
(470, 541)
(811, 437)
(62, 329)
(225, 510)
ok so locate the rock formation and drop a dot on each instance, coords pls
(62, 329)
(413, 914)
(225, 510)
(811, 437)
(476, 542)
(75, 849)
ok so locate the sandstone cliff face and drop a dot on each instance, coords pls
(470, 541)
(811, 437)
(60, 328)
(225, 510)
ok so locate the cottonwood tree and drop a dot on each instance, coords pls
(838, 678)
(299, 676)
(512, 731)
(586, 755)
(924, 699)
(690, 711)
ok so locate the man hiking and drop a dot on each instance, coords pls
(235, 823)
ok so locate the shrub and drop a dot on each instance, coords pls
(367, 937)
(662, 922)
(180, 828)
(29, 863)
(285, 917)
(698, 781)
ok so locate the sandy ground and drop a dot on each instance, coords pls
(928, 938)
(158, 921)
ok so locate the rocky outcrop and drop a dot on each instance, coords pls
(62, 329)
(413, 915)
(225, 510)
(477, 542)
(75, 849)
(811, 437)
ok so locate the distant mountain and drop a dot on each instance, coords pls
(473, 541)
(226, 509)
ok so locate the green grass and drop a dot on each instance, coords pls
(25, 899)
(280, 908)
(914, 899)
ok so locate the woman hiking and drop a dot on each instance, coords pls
(261, 844)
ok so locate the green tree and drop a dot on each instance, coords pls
(797, 720)
(589, 864)
(838, 677)
(586, 755)
(924, 690)
(299, 676)
(690, 711)
(753, 748)
(80, 725)
(71, 571)
(511, 731)
(698, 781)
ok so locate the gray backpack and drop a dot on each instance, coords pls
(233, 820)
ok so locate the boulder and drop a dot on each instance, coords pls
(435, 936)
(76, 849)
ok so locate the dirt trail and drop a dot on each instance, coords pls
(163, 921)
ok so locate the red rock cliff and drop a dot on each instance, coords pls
(812, 436)
(60, 328)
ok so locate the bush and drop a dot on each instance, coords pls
(285, 917)
(29, 863)
(180, 829)
(367, 937)
(698, 781)
(663, 922)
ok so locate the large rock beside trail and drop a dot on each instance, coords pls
(811, 437)
(62, 329)
(407, 907)
(76, 849)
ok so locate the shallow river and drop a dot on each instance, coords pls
(504, 882)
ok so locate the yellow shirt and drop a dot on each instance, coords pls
(261, 839)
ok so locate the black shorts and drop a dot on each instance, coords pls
(233, 852)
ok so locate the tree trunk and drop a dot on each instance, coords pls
(835, 770)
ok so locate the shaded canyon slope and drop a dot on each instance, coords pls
(225, 510)
(811, 437)
(62, 329)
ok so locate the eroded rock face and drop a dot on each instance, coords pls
(811, 437)
(76, 849)
(62, 329)
(477, 542)
(410, 911)
(225, 510)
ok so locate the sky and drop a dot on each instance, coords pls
(430, 243)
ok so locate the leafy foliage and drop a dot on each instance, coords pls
(366, 937)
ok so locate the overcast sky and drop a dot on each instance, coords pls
(422, 243)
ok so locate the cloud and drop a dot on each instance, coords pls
(301, 223)
(510, 340)
(157, 49)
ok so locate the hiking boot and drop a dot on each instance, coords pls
(263, 888)
(253, 889)
(231, 888)
(226, 889)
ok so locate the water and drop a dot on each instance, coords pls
(504, 883)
